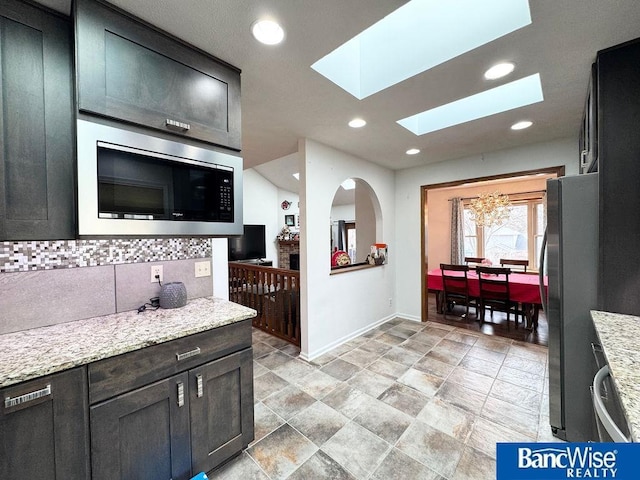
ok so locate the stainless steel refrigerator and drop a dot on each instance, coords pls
(572, 268)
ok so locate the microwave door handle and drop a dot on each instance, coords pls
(543, 250)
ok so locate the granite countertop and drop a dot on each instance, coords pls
(41, 351)
(619, 336)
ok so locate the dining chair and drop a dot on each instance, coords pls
(495, 294)
(521, 265)
(455, 285)
(473, 261)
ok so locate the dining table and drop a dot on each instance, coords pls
(524, 288)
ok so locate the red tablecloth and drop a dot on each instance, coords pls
(523, 287)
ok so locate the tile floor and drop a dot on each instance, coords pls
(404, 401)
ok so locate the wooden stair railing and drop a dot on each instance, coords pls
(273, 292)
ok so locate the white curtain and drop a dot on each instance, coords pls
(457, 231)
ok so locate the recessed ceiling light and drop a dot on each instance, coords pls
(413, 151)
(357, 123)
(267, 32)
(500, 70)
(521, 125)
(296, 175)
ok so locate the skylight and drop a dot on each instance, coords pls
(349, 184)
(506, 97)
(416, 37)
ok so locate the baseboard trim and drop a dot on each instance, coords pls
(310, 357)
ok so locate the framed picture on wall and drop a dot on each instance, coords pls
(289, 220)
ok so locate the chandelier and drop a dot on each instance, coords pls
(490, 209)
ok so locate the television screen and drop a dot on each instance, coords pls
(250, 245)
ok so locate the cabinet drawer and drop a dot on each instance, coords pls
(115, 375)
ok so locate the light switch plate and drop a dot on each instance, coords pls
(203, 269)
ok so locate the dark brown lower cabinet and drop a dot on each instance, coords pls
(221, 409)
(175, 428)
(44, 428)
(143, 434)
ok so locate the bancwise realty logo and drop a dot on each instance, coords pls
(551, 461)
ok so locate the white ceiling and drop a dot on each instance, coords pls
(283, 99)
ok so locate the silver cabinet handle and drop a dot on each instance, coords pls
(27, 397)
(180, 394)
(189, 354)
(200, 386)
(176, 125)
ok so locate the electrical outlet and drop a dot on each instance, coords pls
(203, 269)
(390, 302)
(156, 270)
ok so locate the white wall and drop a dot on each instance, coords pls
(338, 307)
(294, 208)
(220, 272)
(405, 255)
(261, 207)
(343, 212)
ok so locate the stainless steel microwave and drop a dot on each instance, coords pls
(135, 184)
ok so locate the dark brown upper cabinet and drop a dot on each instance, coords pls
(131, 71)
(37, 155)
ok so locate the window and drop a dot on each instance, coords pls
(520, 237)
(351, 240)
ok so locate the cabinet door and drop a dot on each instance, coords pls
(143, 434)
(131, 71)
(36, 125)
(619, 170)
(43, 425)
(221, 409)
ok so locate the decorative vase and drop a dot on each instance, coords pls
(173, 295)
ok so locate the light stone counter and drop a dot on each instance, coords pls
(619, 336)
(41, 351)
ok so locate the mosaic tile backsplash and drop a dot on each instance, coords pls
(50, 255)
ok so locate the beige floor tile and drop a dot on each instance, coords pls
(399, 466)
(370, 382)
(511, 416)
(420, 381)
(474, 465)
(360, 461)
(431, 447)
(280, 453)
(472, 380)
(462, 397)
(479, 365)
(385, 421)
(319, 422)
(442, 395)
(486, 434)
(447, 418)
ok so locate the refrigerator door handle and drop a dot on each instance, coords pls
(543, 249)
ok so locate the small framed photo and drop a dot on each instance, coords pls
(289, 220)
